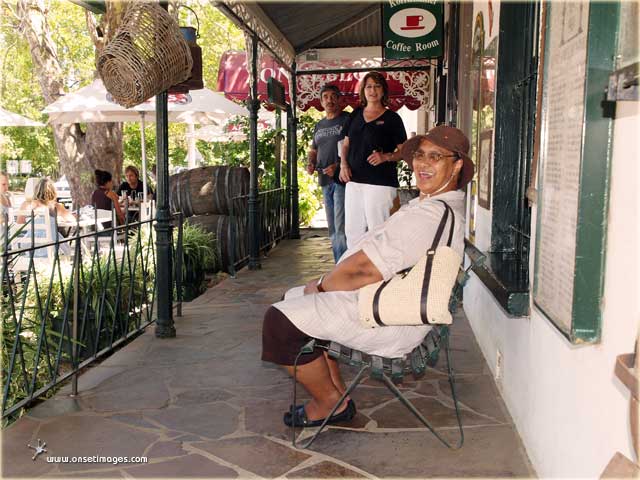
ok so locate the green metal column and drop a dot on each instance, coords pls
(164, 281)
(290, 132)
(254, 106)
(295, 212)
(453, 32)
(278, 149)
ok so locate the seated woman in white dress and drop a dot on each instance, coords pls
(327, 308)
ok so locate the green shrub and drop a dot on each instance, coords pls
(199, 256)
(310, 197)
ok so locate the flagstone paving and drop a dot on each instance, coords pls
(203, 405)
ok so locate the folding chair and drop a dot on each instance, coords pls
(392, 370)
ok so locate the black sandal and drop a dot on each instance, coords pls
(299, 417)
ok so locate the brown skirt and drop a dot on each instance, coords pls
(282, 340)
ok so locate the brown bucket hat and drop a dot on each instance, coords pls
(450, 138)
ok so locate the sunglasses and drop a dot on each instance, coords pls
(433, 157)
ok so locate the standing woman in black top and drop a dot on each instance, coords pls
(104, 197)
(373, 138)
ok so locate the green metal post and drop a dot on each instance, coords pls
(254, 106)
(290, 130)
(77, 261)
(295, 212)
(164, 324)
(278, 149)
(179, 261)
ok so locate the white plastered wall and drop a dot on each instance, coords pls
(570, 410)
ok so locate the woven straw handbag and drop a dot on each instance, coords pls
(418, 295)
(147, 55)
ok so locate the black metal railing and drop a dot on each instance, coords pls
(272, 223)
(68, 301)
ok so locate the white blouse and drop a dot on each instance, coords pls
(392, 246)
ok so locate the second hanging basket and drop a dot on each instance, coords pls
(147, 55)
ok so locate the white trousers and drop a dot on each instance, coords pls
(365, 207)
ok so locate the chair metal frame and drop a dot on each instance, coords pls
(392, 370)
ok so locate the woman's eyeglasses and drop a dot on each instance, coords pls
(433, 157)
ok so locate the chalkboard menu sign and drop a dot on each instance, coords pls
(575, 157)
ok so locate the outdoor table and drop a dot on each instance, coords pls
(85, 224)
(133, 210)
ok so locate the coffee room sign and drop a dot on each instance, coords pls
(412, 29)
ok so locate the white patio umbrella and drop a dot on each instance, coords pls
(10, 119)
(92, 104)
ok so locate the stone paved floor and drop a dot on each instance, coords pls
(204, 405)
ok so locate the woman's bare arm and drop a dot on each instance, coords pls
(352, 273)
(345, 170)
(64, 214)
(25, 207)
(114, 198)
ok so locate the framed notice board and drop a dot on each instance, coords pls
(573, 181)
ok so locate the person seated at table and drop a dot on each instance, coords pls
(45, 195)
(5, 197)
(5, 205)
(327, 308)
(103, 197)
(133, 183)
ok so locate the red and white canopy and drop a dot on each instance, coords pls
(406, 89)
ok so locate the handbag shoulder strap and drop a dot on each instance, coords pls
(443, 222)
(430, 254)
(453, 222)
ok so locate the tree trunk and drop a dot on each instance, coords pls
(80, 152)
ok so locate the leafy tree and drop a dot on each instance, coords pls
(217, 35)
(54, 43)
(53, 34)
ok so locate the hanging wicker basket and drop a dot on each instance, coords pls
(147, 55)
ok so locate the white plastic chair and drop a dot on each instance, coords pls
(30, 187)
(43, 231)
(147, 210)
(104, 241)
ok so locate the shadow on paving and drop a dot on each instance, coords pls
(204, 405)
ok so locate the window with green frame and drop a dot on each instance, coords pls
(506, 273)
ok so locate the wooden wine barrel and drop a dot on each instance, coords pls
(207, 190)
(231, 245)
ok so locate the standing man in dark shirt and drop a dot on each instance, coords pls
(324, 158)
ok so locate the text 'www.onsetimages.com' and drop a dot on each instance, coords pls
(96, 459)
